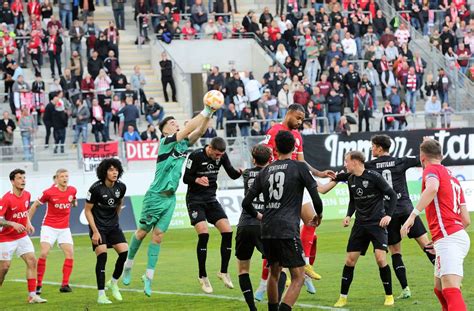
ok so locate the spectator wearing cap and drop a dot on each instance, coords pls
(363, 107)
(198, 14)
(149, 134)
(153, 111)
(59, 123)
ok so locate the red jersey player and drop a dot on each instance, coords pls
(14, 228)
(447, 216)
(292, 121)
(60, 197)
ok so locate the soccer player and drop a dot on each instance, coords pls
(393, 171)
(55, 228)
(367, 189)
(282, 184)
(201, 173)
(14, 228)
(292, 122)
(103, 205)
(447, 216)
(160, 199)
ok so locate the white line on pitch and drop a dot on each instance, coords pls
(134, 290)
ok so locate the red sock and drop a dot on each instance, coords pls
(454, 299)
(307, 235)
(31, 285)
(441, 299)
(314, 247)
(41, 268)
(265, 270)
(67, 269)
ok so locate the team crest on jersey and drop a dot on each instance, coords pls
(365, 183)
(110, 201)
(194, 214)
(359, 191)
(70, 198)
(117, 193)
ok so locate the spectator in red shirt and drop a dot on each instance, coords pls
(464, 54)
(301, 96)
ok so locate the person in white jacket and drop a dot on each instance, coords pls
(252, 89)
(285, 99)
(349, 46)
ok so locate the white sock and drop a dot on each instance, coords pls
(343, 296)
(101, 292)
(150, 273)
(114, 281)
(306, 260)
(128, 264)
(32, 294)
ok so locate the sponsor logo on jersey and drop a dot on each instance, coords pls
(365, 183)
(62, 205)
(117, 193)
(20, 215)
(359, 192)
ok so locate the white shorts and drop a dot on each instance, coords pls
(450, 253)
(51, 235)
(20, 247)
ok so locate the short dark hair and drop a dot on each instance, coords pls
(382, 141)
(285, 142)
(15, 172)
(261, 154)
(164, 122)
(356, 155)
(105, 165)
(296, 107)
(218, 143)
(432, 149)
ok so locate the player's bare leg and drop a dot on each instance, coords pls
(135, 242)
(68, 250)
(245, 283)
(45, 248)
(153, 253)
(447, 289)
(201, 250)
(385, 276)
(347, 276)
(225, 229)
(272, 286)
(307, 238)
(122, 251)
(4, 267)
(297, 280)
(30, 261)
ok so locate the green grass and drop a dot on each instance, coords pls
(177, 272)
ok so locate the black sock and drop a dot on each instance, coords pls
(272, 306)
(247, 291)
(399, 268)
(284, 307)
(431, 257)
(281, 285)
(119, 265)
(226, 249)
(202, 253)
(100, 270)
(386, 277)
(347, 275)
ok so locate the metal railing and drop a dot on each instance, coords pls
(418, 120)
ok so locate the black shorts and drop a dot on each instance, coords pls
(246, 240)
(361, 236)
(210, 211)
(396, 224)
(287, 253)
(109, 236)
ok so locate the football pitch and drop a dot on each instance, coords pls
(176, 286)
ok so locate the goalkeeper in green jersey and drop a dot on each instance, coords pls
(160, 199)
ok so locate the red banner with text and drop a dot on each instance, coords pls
(93, 154)
(142, 150)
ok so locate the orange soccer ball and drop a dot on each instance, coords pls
(214, 99)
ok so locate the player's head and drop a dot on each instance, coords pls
(430, 151)
(61, 178)
(261, 154)
(294, 117)
(169, 126)
(216, 148)
(380, 144)
(17, 178)
(285, 142)
(353, 160)
(109, 169)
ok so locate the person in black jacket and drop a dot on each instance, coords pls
(94, 64)
(7, 126)
(54, 43)
(47, 121)
(149, 134)
(59, 123)
(335, 104)
(167, 77)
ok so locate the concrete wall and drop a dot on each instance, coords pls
(189, 56)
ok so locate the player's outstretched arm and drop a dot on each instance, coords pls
(325, 188)
(316, 172)
(199, 120)
(229, 169)
(197, 133)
